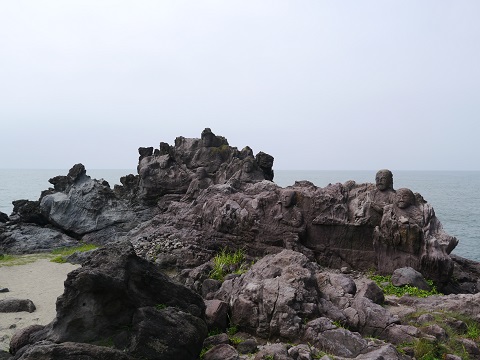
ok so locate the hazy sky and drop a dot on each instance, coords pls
(317, 84)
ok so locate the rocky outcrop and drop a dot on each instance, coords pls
(29, 238)
(288, 297)
(200, 194)
(119, 299)
(172, 169)
(3, 217)
(84, 205)
(197, 197)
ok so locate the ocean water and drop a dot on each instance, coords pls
(454, 195)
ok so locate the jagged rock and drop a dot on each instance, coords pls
(465, 278)
(222, 352)
(27, 211)
(410, 235)
(171, 170)
(5, 355)
(370, 290)
(216, 314)
(409, 276)
(86, 206)
(16, 305)
(273, 297)
(281, 292)
(118, 297)
(4, 217)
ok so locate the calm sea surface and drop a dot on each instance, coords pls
(455, 195)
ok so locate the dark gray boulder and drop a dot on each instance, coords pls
(16, 305)
(119, 298)
(409, 276)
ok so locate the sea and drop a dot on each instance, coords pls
(454, 195)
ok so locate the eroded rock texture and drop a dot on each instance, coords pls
(119, 299)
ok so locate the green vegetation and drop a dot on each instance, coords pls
(235, 340)
(225, 263)
(425, 349)
(160, 306)
(473, 331)
(232, 330)
(214, 332)
(6, 257)
(204, 351)
(385, 283)
(12, 260)
(63, 253)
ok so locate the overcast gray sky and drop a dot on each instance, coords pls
(344, 85)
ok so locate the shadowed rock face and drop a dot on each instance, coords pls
(120, 299)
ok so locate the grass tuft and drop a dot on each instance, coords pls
(63, 253)
(225, 263)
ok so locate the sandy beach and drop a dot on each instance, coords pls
(40, 281)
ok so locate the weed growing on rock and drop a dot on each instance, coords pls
(232, 330)
(160, 306)
(225, 263)
(204, 351)
(457, 327)
(385, 283)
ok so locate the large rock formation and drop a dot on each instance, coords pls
(202, 195)
(197, 197)
(120, 300)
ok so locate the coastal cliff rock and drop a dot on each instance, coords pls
(200, 197)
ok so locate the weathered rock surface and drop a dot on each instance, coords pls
(26, 238)
(3, 217)
(120, 299)
(45, 350)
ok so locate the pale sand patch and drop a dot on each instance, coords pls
(40, 281)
